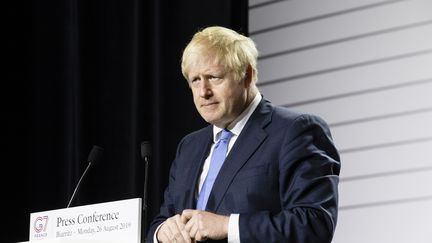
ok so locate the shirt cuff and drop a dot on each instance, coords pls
(233, 229)
(155, 240)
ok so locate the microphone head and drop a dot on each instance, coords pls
(95, 154)
(146, 149)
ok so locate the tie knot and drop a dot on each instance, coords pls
(225, 135)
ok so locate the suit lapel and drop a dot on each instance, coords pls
(247, 143)
(198, 155)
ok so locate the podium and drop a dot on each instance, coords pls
(69, 241)
(111, 222)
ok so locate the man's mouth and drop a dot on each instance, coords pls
(208, 104)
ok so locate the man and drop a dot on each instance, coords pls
(257, 173)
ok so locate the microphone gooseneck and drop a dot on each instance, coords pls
(94, 156)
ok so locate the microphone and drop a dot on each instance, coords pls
(94, 156)
(145, 155)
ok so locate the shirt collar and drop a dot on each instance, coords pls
(238, 124)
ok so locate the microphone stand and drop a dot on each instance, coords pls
(145, 154)
(146, 162)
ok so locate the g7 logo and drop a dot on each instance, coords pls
(40, 224)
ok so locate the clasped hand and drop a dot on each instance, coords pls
(192, 226)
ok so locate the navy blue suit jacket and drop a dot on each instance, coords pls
(281, 176)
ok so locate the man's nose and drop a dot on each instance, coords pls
(205, 89)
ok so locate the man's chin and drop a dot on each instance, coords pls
(209, 115)
(211, 120)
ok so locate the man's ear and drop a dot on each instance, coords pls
(248, 76)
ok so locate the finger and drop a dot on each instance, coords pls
(163, 234)
(189, 224)
(182, 235)
(202, 230)
(174, 233)
(186, 215)
(200, 237)
(193, 232)
(192, 227)
(179, 223)
(178, 237)
(186, 236)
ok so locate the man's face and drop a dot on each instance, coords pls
(218, 97)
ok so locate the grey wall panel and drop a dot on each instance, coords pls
(341, 28)
(407, 222)
(294, 11)
(256, 3)
(350, 81)
(383, 161)
(402, 100)
(375, 133)
(375, 190)
(366, 67)
(346, 55)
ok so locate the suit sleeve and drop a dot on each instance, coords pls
(167, 209)
(308, 179)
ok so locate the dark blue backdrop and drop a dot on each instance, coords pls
(108, 73)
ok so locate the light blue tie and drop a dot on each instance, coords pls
(217, 159)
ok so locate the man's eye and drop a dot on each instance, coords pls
(195, 82)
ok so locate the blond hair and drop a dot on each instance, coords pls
(231, 49)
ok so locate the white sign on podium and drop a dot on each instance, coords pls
(118, 221)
